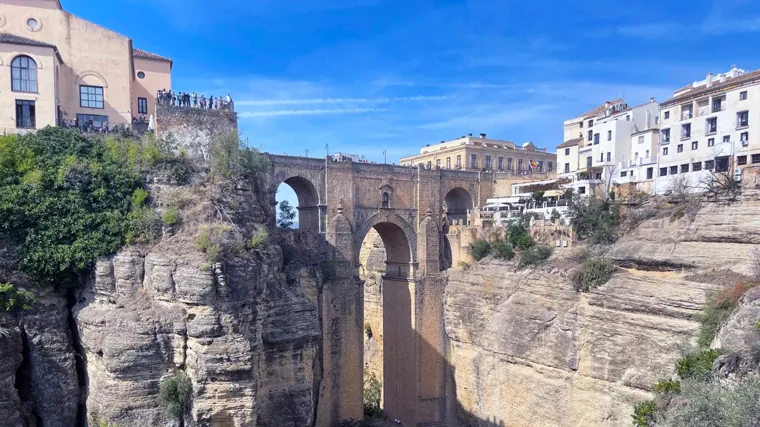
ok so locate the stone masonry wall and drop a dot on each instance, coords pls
(194, 127)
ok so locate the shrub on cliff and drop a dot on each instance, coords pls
(593, 273)
(232, 158)
(13, 299)
(717, 404)
(717, 310)
(502, 250)
(373, 389)
(595, 219)
(536, 255)
(697, 365)
(175, 393)
(480, 249)
(65, 199)
(644, 414)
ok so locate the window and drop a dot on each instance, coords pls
(650, 173)
(386, 200)
(473, 161)
(596, 139)
(501, 163)
(717, 105)
(488, 162)
(609, 135)
(438, 163)
(743, 96)
(429, 165)
(32, 24)
(711, 142)
(663, 171)
(664, 151)
(726, 139)
(142, 106)
(598, 175)
(742, 119)
(685, 168)
(588, 162)
(581, 125)
(448, 162)
(687, 111)
(601, 157)
(550, 166)
(696, 166)
(23, 74)
(628, 117)
(590, 123)
(581, 190)
(756, 158)
(641, 140)
(590, 135)
(680, 148)
(567, 151)
(609, 157)
(674, 170)
(510, 163)
(667, 115)
(567, 167)
(647, 155)
(623, 174)
(686, 131)
(459, 161)
(741, 160)
(519, 164)
(709, 164)
(711, 126)
(91, 97)
(140, 75)
(694, 145)
(744, 138)
(666, 136)
(636, 155)
(26, 114)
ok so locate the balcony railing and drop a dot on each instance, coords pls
(687, 115)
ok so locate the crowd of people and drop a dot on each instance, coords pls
(192, 100)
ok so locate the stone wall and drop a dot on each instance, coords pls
(194, 128)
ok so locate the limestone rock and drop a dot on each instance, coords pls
(10, 359)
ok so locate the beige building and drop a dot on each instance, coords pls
(481, 153)
(61, 69)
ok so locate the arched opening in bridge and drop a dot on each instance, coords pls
(301, 196)
(389, 338)
(458, 203)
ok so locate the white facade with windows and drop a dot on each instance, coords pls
(710, 125)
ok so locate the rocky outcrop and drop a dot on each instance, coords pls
(11, 410)
(527, 350)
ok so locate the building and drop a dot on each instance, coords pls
(62, 69)
(607, 144)
(481, 153)
(710, 125)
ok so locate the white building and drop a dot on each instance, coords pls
(608, 144)
(710, 125)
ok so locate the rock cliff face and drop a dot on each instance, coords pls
(527, 350)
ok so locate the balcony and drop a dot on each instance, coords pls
(686, 115)
(711, 131)
(742, 125)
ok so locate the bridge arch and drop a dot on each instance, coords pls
(308, 201)
(458, 202)
(398, 237)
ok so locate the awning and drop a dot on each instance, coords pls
(501, 200)
(553, 193)
(528, 184)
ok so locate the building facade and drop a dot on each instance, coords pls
(63, 70)
(708, 126)
(481, 153)
(607, 143)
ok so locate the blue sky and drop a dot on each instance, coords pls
(366, 76)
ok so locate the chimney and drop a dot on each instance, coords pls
(651, 99)
(469, 134)
(709, 79)
(482, 135)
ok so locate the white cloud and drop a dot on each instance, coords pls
(257, 102)
(246, 114)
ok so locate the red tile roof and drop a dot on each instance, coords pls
(598, 110)
(716, 87)
(138, 53)
(14, 39)
(570, 143)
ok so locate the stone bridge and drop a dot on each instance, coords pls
(345, 200)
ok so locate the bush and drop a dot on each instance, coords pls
(593, 273)
(259, 237)
(535, 255)
(232, 158)
(373, 389)
(715, 404)
(13, 299)
(644, 414)
(502, 250)
(210, 240)
(519, 235)
(594, 219)
(144, 226)
(697, 365)
(175, 394)
(719, 307)
(665, 387)
(170, 216)
(480, 249)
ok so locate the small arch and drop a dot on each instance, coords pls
(308, 202)
(23, 74)
(458, 203)
(87, 77)
(386, 200)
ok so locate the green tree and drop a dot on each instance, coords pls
(287, 215)
(175, 394)
(373, 389)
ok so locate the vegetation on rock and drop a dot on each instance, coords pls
(373, 389)
(593, 273)
(286, 216)
(13, 299)
(535, 255)
(595, 219)
(175, 394)
(480, 249)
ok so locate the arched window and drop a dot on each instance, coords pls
(386, 200)
(23, 74)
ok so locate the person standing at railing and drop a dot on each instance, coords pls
(229, 103)
(195, 99)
